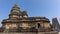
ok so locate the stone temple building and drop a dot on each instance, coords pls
(20, 22)
(55, 24)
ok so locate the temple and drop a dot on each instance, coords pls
(19, 21)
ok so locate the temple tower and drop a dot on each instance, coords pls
(55, 24)
(24, 14)
(15, 12)
(12, 22)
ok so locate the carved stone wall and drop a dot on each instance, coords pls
(33, 33)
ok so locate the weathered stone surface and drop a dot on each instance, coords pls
(32, 33)
(19, 33)
(19, 21)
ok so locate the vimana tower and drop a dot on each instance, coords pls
(20, 22)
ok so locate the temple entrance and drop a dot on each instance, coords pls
(39, 25)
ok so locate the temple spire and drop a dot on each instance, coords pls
(16, 5)
(15, 12)
(55, 24)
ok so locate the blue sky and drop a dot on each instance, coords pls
(34, 8)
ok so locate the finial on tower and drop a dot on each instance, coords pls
(54, 17)
(16, 5)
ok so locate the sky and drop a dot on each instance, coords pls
(34, 8)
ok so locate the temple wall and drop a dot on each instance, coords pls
(47, 32)
(20, 33)
(33, 33)
(9, 25)
(29, 25)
